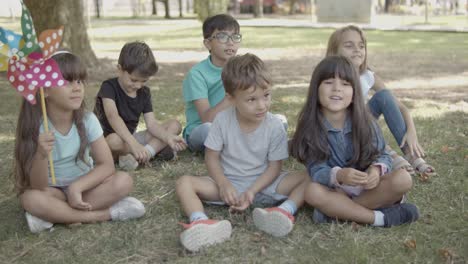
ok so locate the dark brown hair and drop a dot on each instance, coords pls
(309, 142)
(243, 72)
(219, 22)
(138, 57)
(336, 39)
(30, 118)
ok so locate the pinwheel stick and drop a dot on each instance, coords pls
(46, 129)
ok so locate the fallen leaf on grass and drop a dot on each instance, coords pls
(410, 243)
(444, 149)
(257, 237)
(446, 253)
(423, 177)
(427, 219)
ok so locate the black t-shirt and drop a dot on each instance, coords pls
(129, 108)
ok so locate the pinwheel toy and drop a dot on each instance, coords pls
(28, 62)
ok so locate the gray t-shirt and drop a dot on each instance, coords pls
(247, 154)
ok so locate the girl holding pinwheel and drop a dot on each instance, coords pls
(87, 189)
(57, 179)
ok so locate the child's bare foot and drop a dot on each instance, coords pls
(399, 162)
(422, 167)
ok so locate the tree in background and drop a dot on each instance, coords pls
(154, 9)
(55, 13)
(258, 8)
(207, 8)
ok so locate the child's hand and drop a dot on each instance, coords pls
(245, 200)
(75, 199)
(176, 143)
(228, 193)
(350, 176)
(373, 178)
(140, 153)
(411, 140)
(45, 143)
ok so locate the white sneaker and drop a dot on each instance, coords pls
(36, 224)
(127, 208)
(128, 162)
(203, 233)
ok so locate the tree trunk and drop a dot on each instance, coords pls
(166, 9)
(292, 3)
(98, 8)
(180, 9)
(154, 9)
(258, 8)
(388, 3)
(51, 14)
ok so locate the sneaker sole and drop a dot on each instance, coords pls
(273, 223)
(202, 235)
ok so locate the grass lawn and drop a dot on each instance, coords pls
(426, 71)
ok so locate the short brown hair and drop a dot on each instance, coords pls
(138, 57)
(243, 72)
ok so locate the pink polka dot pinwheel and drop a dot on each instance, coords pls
(27, 58)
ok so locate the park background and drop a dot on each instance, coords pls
(422, 59)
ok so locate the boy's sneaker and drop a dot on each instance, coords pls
(36, 224)
(203, 233)
(128, 162)
(400, 214)
(320, 218)
(127, 208)
(274, 221)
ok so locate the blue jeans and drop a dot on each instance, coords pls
(384, 103)
(196, 139)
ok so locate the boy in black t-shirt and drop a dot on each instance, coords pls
(122, 100)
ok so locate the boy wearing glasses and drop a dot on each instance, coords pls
(203, 89)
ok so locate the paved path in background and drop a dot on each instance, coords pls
(378, 25)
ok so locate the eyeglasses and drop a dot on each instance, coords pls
(223, 37)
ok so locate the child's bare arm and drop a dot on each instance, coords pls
(121, 129)
(271, 173)
(227, 192)
(39, 173)
(104, 167)
(208, 113)
(176, 142)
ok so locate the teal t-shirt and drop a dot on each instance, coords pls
(66, 148)
(202, 81)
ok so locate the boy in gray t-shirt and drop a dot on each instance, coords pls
(244, 152)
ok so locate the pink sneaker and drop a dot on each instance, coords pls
(203, 233)
(274, 221)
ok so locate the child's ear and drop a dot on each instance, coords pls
(206, 42)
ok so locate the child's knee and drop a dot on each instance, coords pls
(32, 199)
(315, 194)
(184, 182)
(401, 182)
(115, 142)
(123, 183)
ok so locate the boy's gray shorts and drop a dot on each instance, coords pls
(266, 197)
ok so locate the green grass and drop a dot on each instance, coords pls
(413, 62)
